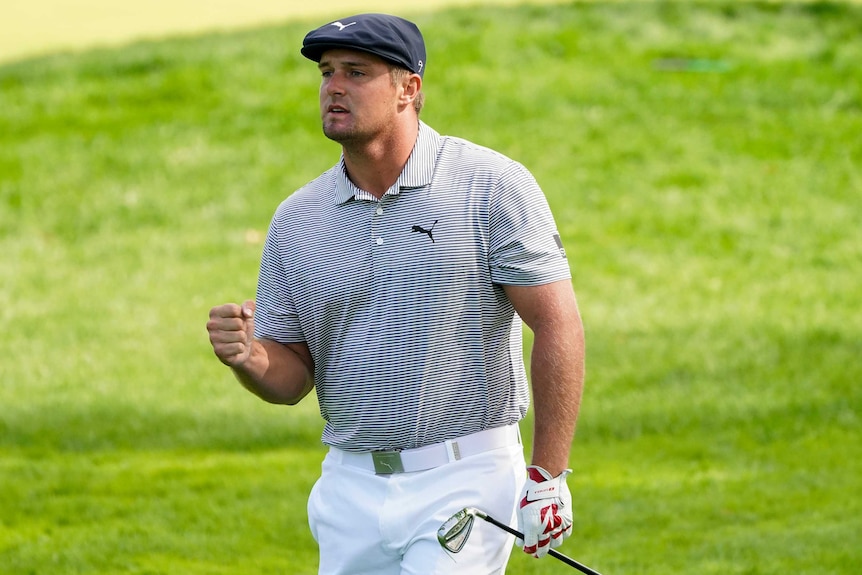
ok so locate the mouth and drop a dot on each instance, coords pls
(338, 110)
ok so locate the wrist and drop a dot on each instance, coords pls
(551, 470)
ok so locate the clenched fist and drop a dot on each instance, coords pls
(231, 330)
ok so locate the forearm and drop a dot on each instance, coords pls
(276, 373)
(557, 374)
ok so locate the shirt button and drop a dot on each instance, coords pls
(379, 241)
(379, 211)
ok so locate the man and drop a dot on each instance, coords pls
(392, 285)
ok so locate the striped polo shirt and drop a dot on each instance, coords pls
(399, 299)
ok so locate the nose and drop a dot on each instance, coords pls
(333, 85)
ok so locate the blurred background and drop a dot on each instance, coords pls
(35, 27)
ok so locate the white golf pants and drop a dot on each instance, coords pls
(368, 524)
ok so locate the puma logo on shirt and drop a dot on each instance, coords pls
(427, 232)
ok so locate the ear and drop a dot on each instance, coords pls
(410, 88)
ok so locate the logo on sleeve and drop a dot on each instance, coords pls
(559, 243)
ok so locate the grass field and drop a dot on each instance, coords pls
(703, 160)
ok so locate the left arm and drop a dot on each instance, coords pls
(557, 367)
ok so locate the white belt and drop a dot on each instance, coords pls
(430, 456)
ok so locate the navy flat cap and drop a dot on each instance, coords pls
(392, 38)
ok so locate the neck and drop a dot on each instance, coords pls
(375, 166)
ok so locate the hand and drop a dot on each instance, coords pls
(231, 330)
(545, 511)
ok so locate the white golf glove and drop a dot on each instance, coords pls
(545, 511)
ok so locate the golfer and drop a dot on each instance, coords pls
(394, 285)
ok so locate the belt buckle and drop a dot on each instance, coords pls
(387, 462)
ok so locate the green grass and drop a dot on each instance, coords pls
(711, 216)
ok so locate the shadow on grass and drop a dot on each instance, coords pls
(85, 428)
(766, 385)
(763, 384)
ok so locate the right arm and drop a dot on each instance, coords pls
(275, 372)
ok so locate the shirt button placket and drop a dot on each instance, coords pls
(378, 267)
(377, 225)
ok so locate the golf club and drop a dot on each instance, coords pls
(453, 534)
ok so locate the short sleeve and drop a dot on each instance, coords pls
(275, 317)
(525, 246)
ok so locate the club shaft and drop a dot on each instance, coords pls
(552, 552)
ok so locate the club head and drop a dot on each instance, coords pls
(453, 534)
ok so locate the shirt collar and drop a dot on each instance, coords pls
(417, 172)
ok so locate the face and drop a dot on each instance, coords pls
(357, 99)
